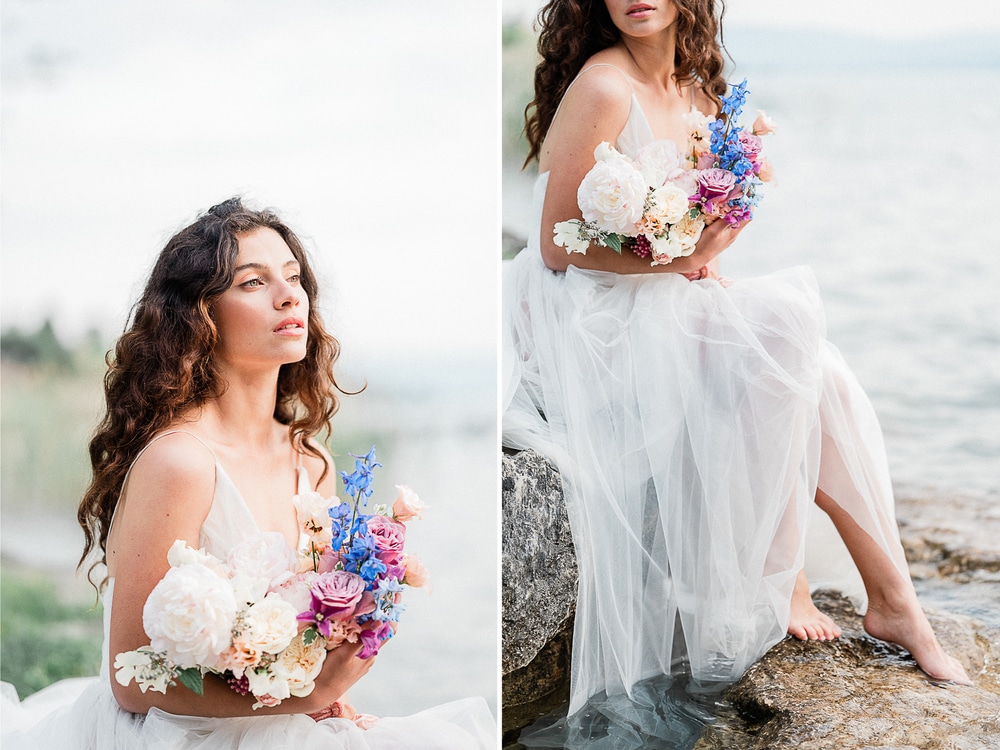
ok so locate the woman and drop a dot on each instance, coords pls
(213, 398)
(694, 421)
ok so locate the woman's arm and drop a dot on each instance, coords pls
(596, 109)
(168, 497)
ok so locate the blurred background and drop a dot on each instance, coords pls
(373, 132)
(887, 125)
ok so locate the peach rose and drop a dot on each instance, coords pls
(407, 505)
(416, 574)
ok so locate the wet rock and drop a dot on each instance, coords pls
(859, 693)
(538, 591)
(951, 537)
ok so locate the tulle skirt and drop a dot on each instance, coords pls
(82, 714)
(692, 424)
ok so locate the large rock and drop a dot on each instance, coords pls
(853, 693)
(859, 693)
(539, 589)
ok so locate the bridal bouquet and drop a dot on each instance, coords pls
(658, 204)
(265, 617)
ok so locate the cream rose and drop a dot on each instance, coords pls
(190, 615)
(687, 233)
(668, 203)
(299, 665)
(270, 624)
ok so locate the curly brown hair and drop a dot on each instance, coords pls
(574, 30)
(162, 365)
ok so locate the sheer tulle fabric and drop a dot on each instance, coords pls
(691, 424)
(82, 714)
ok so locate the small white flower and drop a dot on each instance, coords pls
(142, 666)
(265, 682)
(568, 236)
(664, 249)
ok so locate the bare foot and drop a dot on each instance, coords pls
(905, 623)
(805, 622)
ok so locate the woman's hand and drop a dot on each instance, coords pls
(341, 669)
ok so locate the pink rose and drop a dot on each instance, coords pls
(407, 505)
(389, 536)
(751, 144)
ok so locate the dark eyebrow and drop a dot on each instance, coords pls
(261, 266)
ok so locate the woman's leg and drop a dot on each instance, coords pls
(894, 614)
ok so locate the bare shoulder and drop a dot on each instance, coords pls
(178, 465)
(594, 109)
(602, 85)
(315, 467)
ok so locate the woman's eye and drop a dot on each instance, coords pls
(293, 279)
(252, 283)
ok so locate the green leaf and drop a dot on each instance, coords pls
(614, 242)
(191, 679)
(309, 635)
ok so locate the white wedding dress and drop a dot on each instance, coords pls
(691, 423)
(82, 714)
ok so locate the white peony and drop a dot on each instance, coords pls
(264, 556)
(270, 624)
(605, 151)
(190, 615)
(612, 195)
(568, 236)
(660, 162)
(300, 664)
(181, 554)
(668, 204)
(295, 591)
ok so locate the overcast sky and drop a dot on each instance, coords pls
(373, 133)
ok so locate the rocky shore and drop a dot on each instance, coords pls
(854, 693)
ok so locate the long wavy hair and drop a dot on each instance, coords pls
(574, 30)
(163, 363)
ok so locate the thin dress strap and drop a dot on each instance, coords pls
(121, 493)
(591, 67)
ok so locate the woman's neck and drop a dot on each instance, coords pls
(244, 411)
(653, 57)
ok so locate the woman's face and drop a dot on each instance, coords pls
(641, 19)
(262, 318)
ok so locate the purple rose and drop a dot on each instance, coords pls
(751, 144)
(715, 183)
(337, 595)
